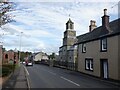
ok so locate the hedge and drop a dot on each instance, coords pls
(7, 69)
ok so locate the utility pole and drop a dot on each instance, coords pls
(1, 44)
(118, 4)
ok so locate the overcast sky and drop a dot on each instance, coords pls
(43, 23)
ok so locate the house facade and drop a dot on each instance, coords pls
(39, 56)
(9, 56)
(99, 50)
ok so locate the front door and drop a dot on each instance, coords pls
(104, 68)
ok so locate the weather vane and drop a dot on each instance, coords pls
(69, 15)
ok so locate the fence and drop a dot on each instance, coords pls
(67, 65)
(61, 64)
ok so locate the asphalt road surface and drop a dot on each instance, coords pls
(42, 76)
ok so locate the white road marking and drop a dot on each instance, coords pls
(49, 72)
(52, 72)
(69, 81)
(26, 70)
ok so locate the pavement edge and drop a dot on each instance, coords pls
(28, 82)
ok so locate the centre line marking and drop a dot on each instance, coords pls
(49, 72)
(69, 81)
(52, 73)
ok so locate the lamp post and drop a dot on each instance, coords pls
(20, 48)
(1, 44)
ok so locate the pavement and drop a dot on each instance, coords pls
(18, 79)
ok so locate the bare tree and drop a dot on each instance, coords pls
(5, 8)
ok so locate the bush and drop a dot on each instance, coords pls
(10, 66)
(0, 71)
(7, 69)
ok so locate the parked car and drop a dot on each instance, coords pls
(29, 63)
(23, 62)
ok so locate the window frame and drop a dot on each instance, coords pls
(84, 48)
(103, 44)
(89, 64)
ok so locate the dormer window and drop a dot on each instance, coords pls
(84, 48)
(104, 45)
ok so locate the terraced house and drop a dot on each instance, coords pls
(99, 50)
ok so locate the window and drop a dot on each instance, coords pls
(104, 44)
(6, 56)
(89, 64)
(71, 26)
(75, 46)
(83, 48)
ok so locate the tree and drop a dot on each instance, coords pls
(5, 7)
(52, 56)
(24, 55)
(3, 49)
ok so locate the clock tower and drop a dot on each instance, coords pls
(69, 34)
(68, 41)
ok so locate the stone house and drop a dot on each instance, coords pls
(99, 50)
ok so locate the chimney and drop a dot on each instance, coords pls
(105, 19)
(92, 25)
(1, 46)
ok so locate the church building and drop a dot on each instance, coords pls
(66, 51)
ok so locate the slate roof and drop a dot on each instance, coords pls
(40, 53)
(100, 32)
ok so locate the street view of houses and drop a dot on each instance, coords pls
(59, 44)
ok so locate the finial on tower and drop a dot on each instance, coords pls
(105, 11)
(69, 15)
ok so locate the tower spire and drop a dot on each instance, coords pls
(69, 24)
(69, 15)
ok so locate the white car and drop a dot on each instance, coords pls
(23, 62)
(29, 63)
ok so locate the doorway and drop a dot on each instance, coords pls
(104, 68)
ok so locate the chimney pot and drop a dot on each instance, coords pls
(92, 22)
(92, 25)
(105, 11)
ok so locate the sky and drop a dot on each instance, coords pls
(42, 23)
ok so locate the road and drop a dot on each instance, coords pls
(41, 76)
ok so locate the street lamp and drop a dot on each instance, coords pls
(20, 48)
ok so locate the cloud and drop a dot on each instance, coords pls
(43, 23)
(64, 0)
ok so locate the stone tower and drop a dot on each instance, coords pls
(69, 34)
(68, 41)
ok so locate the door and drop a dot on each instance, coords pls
(104, 68)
